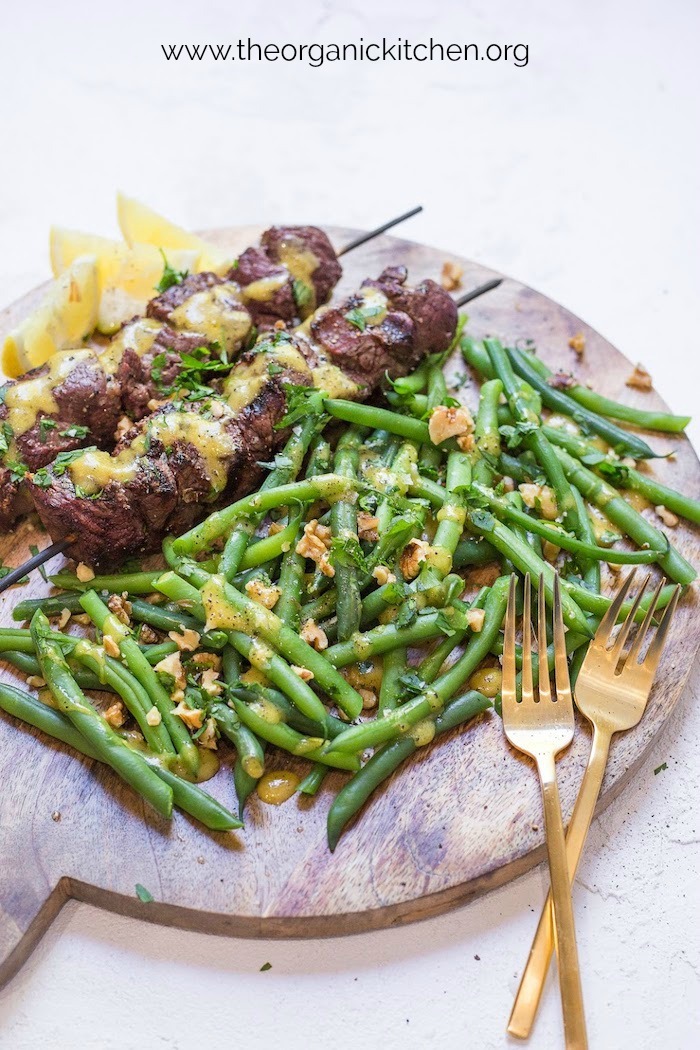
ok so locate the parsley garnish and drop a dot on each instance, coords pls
(33, 549)
(357, 318)
(265, 966)
(660, 769)
(412, 683)
(45, 425)
(6, 436)
(143, 894)
(42, 477)
(302, 401)
(303, 295)
(170, 276)
(75, 431)
(17, 469)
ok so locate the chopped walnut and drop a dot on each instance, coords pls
(208, 737)
(367, 525)
(315, 544)
(578, 343)
(668, 517)
(550, 550)
(84, 573)
(154, 404)
(63, 618)
(193, 717)
(627, 461)
(187, 641)
(303, 672)
(369, 698)
(275, 527)
(217, 409)
(561, 381)
(451, 276)
(447, 422)
(262, 593)
(172, 665)
(36, 681)
(153, 717)
(207, 660)
(83, 619)
(475, 619)
(508, 484)
(116, 714)
(640, 379)
(56, 815)
(110, 646)
(147, 635)
(210, 682)
(121, 607)
(382, 575)
(314, 635)
(413, 554)
(123, 427)
(539, 497)
(280, 325)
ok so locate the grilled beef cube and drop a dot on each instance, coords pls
(294, 271)
(152, 375)
(208, 306)
(430, 307)
(66, 404)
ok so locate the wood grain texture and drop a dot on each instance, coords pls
(460, 818)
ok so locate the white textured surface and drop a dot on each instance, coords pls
(578, 174)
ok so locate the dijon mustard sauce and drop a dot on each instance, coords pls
(248, 380)
(277, 786)
(301, 263)
(30, 398)
(94, 470)
(215, 314)
(138, 335)
(263, 290)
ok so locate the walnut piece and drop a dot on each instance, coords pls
(550, 550)
(314, 635)
(121, 607)
(369, 698)
(367, 525)
(208, 737)
(266, 594)
(110, 646)
(451, 276)
(640, 379)
(561, 381)
(447, 422)
(413, 554)
(172, 665)
(193, 717)
(187, 641)
(303, 672)
(315, 544)
(153, 717)
(578, 343)
(210, 682)
(147, 635)
(84, 573)
(668, 517)
(123, 427)
(475, 619)
(36, 681)
(383, 575)
(116, 714)
(539, 497)
(63, 618)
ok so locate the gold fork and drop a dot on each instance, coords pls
(541, 728)
(613, 699)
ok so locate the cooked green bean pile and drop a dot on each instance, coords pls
(350, 610)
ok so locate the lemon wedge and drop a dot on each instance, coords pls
(141, 225)
(66, 316)
(128, 276)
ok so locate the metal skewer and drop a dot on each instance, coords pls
(62, 545)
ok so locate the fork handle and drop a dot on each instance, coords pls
(564, 929)
(529, 994)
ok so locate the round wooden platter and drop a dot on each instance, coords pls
(460, 818)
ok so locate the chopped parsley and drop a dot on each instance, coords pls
(45, 425)
(303, 296)
(356, 318)
(143, 894)
(34, 550)
(75, 431)
(43, 477)
(660, 769)
(265, 966)
(18, 470)
(6, 436)
(170, 276)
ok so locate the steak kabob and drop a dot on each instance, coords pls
(166, 473)
(80, 397)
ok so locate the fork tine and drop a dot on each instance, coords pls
(508, 694)
(561, 665)
(526, 686)
(544, 688)
(627, 625)
(638, 642)
(602, 635)
(651, 660)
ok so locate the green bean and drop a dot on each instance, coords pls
(451, 516)
(313, 780)
(527, 522)
(244, 785)
(175, 620)
(622, 441)
(432, 700)
(474, 553)
(19, 639)
(353, 795)
(430, 666)
(291, 583)
(590, 569)
(476, 355)
(617, 510)
(379, 419)
(254, 650)
(283, 736)
(238, 611)
(625, 477)
(29, 665)
(603, 406)
(388, 636)
(90, 724)
(344, 533)
(188, 797)
(486, 434)
(248, 750)
(131, 582)
(393, 667)
(52, 606)
(324, 486)
(139, 666)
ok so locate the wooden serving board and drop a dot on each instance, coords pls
(460, 818)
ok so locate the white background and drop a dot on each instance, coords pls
(578, 174)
